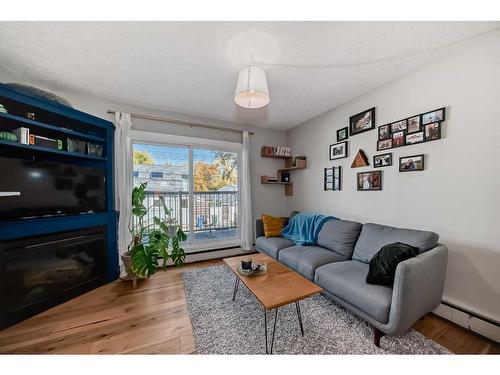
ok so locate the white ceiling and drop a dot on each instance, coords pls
(191, 67)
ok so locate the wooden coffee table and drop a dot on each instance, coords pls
(278, 287)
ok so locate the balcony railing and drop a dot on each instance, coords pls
(213, 210)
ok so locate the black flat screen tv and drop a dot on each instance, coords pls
(36, 188)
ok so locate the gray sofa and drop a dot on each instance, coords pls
(340, 261)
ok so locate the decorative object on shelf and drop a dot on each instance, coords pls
(398, 139)
(299, 162)
(411, 163)
(23, 135)
(338, 150)
(94, 149)
(149, 244)
(33, 91)
(3, 109)
(437, 115)
(414, 138)
(49, 143)
(360, 160)
(416, 129)
(399, 126)
(432, 131)
(76, 145)
(413, 124)
(285, 176)
(252, 91)
(382, 160)
(384, 132)
(368, 181)
(8, 136)
(332, 179)
(342, 134)
(362, 122)
(30, 116)
(384, 145)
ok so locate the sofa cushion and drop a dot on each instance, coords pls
(374, 236)
(383, 264)
(305, 259)
(340, 236)
(272, 245)
(346, 280)
(273, 225)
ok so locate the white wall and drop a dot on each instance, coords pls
(456, 196)
(265, 198)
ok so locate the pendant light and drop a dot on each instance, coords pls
(251, 90)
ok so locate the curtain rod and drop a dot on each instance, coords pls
(180, 122)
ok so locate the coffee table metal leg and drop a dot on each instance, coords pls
(274, 329)
(236, 284)
(300, 317)
(265, 328)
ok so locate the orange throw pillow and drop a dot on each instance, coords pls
(272, 225)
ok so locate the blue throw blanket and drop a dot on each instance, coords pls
(303, 228)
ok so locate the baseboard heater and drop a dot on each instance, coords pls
(470, 320)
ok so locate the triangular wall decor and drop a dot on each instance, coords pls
(360, 160)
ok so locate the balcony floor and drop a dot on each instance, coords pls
(215, 235)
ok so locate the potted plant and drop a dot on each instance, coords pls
(150, 242)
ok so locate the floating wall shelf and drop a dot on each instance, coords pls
(289, 167)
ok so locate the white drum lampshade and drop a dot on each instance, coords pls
(251, 90)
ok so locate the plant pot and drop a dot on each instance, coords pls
(172, 230)
(127, 263)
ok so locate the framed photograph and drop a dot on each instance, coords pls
(414, 138)
(411, 163)
(384, 145)
(382, 160)
(398, 126)
(338, 150)
(384, 132)
(413, 124)
(362, 122)
(368, 181)
(342, 134)
(398, 139)
(432, 131)
(433, 116)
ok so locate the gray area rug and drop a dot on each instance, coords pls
(221, 326)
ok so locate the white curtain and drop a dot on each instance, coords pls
(123, 178)
(246, 198)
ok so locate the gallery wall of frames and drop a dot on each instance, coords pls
(424, 127)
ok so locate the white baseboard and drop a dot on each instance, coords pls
(469, 321)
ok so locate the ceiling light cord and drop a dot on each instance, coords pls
(370, 62)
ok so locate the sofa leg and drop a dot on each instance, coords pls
(377, 335)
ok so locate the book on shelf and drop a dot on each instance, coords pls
(271, 179)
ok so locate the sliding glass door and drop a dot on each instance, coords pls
(200, 186)
(215, 195)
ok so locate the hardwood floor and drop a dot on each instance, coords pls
(153, 319)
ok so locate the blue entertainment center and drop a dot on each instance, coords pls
(47, 257)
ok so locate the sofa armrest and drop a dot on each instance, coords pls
(259, 228)
(418, 288)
